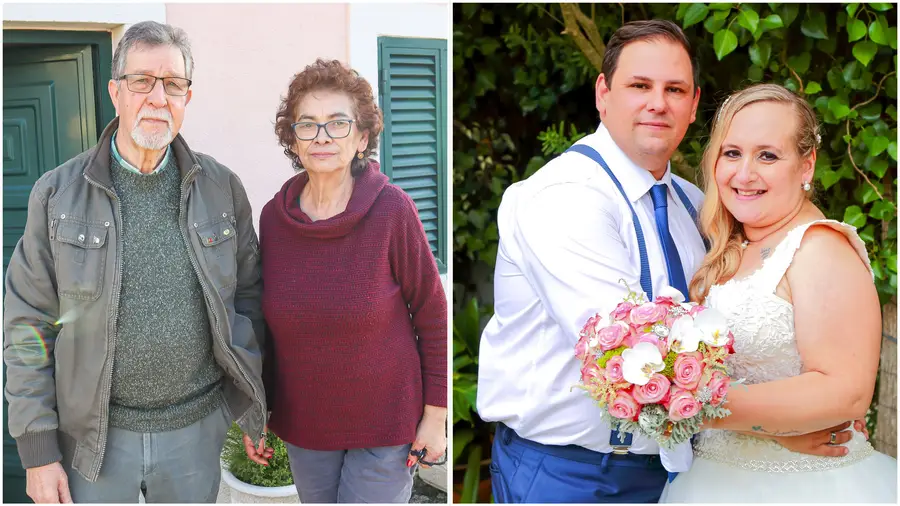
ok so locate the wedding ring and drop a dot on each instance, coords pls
(833, 439)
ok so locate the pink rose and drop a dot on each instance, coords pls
(655, 341)
(582, 347)
(682, 405)
(621, 311)
(624, 406)
(647, 313)
(666, 301)
(654, 392)
(696, 309)
(611, 337)
(633, 337)
(590, 371)
(614, 369)
(594, 324)
(719, 386)
(688, 370)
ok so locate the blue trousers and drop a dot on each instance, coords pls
(524, 471)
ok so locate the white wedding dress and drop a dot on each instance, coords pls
(730, 467)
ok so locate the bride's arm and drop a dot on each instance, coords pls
(837, 318)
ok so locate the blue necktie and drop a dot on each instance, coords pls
(673, 261)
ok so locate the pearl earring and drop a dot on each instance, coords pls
(806, 187)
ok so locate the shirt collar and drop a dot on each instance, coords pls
(636, 180)
(124, 163)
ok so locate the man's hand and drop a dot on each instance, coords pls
(819, 443)
(259, 453)
(48, 484)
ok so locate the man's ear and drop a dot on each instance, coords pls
(695, 104)
(113, 88)
(601, 92)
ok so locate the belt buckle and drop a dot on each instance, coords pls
(620, 450)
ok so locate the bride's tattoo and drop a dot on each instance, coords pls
(758, 428)
(765, 252)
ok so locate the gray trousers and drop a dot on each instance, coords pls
(364, 475)
(179, 466)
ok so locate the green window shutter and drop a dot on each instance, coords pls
(413, 97)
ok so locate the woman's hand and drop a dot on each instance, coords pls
(819, 442)
(430, 436)
(260, 453)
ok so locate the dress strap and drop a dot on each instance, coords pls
(776, 266)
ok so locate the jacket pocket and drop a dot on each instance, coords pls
(219, 251)
(80, 260)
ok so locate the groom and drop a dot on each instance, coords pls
(608, 209)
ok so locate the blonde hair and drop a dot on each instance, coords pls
(723, 231)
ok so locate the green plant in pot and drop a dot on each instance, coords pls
(235, 460)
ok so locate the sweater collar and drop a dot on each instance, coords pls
(366, 189)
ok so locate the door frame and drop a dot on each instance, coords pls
(101, 52)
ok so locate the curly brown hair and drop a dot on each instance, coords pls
(336, 77)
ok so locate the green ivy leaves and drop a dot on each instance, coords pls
(864, 51)
(695, 14)
(724, 42)
(815, 26)
(856, 30)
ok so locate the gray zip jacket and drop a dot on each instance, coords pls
(62, 296)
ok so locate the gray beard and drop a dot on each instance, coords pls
(154, 142)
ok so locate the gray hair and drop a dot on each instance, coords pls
(152, 34)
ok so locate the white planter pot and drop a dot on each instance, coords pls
(244, 493)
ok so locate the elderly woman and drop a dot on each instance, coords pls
(356, 362)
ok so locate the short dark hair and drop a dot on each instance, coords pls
(635, 31)
(330, 75)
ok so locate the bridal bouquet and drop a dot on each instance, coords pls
(658, 368)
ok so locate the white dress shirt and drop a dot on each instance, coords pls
(566, 239)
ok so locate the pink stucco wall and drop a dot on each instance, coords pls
(244, 56)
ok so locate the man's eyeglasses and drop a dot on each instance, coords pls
(143, 83)
(309, 130)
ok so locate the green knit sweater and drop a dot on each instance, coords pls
(164, 374)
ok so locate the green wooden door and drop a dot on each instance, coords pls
(413, 96)
(49, 116)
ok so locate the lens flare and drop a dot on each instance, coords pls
(70, 316)
(30, 347)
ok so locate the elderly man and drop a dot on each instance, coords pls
(133, 322)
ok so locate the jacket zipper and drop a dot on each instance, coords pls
(107, 391)
(192, 255)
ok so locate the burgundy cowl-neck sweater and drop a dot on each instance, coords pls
(357, 319)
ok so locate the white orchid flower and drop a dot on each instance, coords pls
(673, 293)
(684, 336)
(640, 362)
(713, 326)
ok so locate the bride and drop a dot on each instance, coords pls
(798, 293)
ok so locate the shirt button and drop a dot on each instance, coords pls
(80, 237)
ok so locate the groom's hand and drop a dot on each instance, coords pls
(819, 443)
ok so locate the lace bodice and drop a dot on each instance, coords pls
(766, 350)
